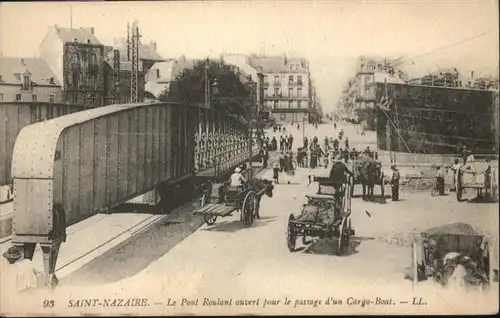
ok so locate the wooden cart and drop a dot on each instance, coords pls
(340, 228)
(221, 201)
(480, 176)
(442, 248)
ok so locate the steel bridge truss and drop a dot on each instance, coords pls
(69, 168)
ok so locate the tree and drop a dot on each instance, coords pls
(228, 91)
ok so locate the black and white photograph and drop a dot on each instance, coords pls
(162, 158)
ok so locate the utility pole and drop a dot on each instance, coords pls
(207, 86)
(134, 84)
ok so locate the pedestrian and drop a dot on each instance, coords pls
(276, 172)
(440, 180)
(335, 144)
(346, 143)
(306, 142)
(345, 154)
(274, 144)
(282, 143)
(265, 157)
(395, 183)
(290, 142)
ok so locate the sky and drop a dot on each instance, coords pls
(330, 34)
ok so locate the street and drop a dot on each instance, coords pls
(230, 260)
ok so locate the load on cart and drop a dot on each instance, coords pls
(237, 194)
(450, 252)
(480, 176)
(325, 215)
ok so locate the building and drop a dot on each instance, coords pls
(77, 59)
(254, 74)
(28, 80)
(287, 96)
(122, 73)
(162, 74)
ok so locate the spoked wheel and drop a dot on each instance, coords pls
(435, 192)
(344, 236)
(248, 208)
(493, 185)
(209, 218)
(291, 237)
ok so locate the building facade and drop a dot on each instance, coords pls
(286, 87)
(119, 75)
(77, 58)
(28, 80)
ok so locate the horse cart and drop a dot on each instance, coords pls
(221, 200)
(480, 176)
(326, 215)
(442, 249)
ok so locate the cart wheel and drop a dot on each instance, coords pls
(248, 208)
(493, 186)
(434, 191)
(344, 237)
(291, 237)
(257, 207)
(209, 218)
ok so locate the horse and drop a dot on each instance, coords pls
(368, 173)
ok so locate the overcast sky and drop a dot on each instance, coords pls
(331, 34)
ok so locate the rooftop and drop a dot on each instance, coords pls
(82, 35)
(279, 64)
(12, 68)
(146, 51)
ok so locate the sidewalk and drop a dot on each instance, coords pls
(87, 240)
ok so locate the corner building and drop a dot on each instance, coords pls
(287, 95)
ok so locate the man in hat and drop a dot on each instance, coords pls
(237, 180)
(338, 173)
(395, 183)
(26, 276)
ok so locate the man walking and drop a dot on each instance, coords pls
(440, 180)
(395, 183)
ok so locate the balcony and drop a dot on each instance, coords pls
(265, 84)
(277, 84)
(295, 83)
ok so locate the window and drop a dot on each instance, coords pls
(299, 104)
(289, 104)
(299, 80)
(275, 104)
(35, 97)
(52, 98)
(157, 73)
(299, 92)
(26, 82)
(1, 97)
(290, 79)
(290, 92)
(276, 92)
(276, 79)
(265, 92)
(18, 97)
(266, 79)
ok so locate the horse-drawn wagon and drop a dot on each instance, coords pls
(220, 199)
(441, 250)
(367, 172)
(326, 215)
(480, 176)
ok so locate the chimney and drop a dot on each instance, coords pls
(91, 29)
(153, 43)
